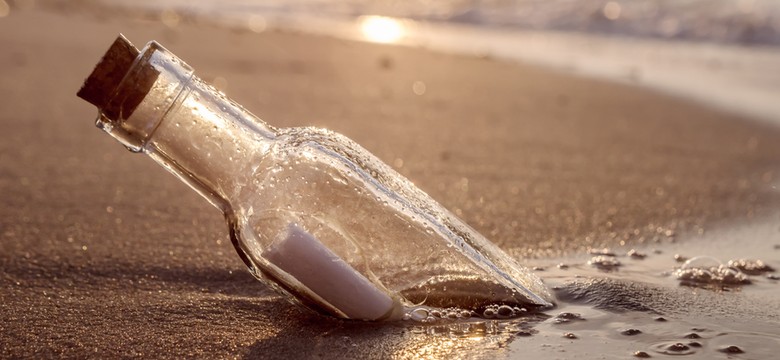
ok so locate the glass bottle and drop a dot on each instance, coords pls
(310, 212)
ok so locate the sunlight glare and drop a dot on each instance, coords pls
(381, 29)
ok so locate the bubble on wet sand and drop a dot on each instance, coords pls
(418, 314)
(678, 347)
(425, 314)
(505, 311)
(502, 312)
(566, 317)
(634, 254)
(631, 332)
(604, 262)
(641, 354)
(673, 348)
(701, 262)
(692, 336)
(489, 313)
(569, 335)
(750, 267)
(732, 349)
(703, 271)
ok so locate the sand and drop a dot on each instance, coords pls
(104, 254)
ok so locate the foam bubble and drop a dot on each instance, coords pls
(750, 267)
(605, 262)
(709, 271)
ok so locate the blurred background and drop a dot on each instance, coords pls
(722, 21)
(720, 52)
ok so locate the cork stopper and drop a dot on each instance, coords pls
(102, 87)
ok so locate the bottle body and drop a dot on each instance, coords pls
(318, 217)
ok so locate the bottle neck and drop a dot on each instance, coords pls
(191, 129)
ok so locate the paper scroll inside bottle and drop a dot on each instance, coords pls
(306, 259)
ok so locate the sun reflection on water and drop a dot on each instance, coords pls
(381, 29)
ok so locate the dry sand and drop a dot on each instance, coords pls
(103, 254)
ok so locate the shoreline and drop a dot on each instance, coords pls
(729, 77)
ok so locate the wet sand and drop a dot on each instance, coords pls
(103, 254)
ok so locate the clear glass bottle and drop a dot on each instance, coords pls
(310, 212)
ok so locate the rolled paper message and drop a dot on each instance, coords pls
(305, 258)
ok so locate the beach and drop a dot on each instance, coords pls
(104, 254)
